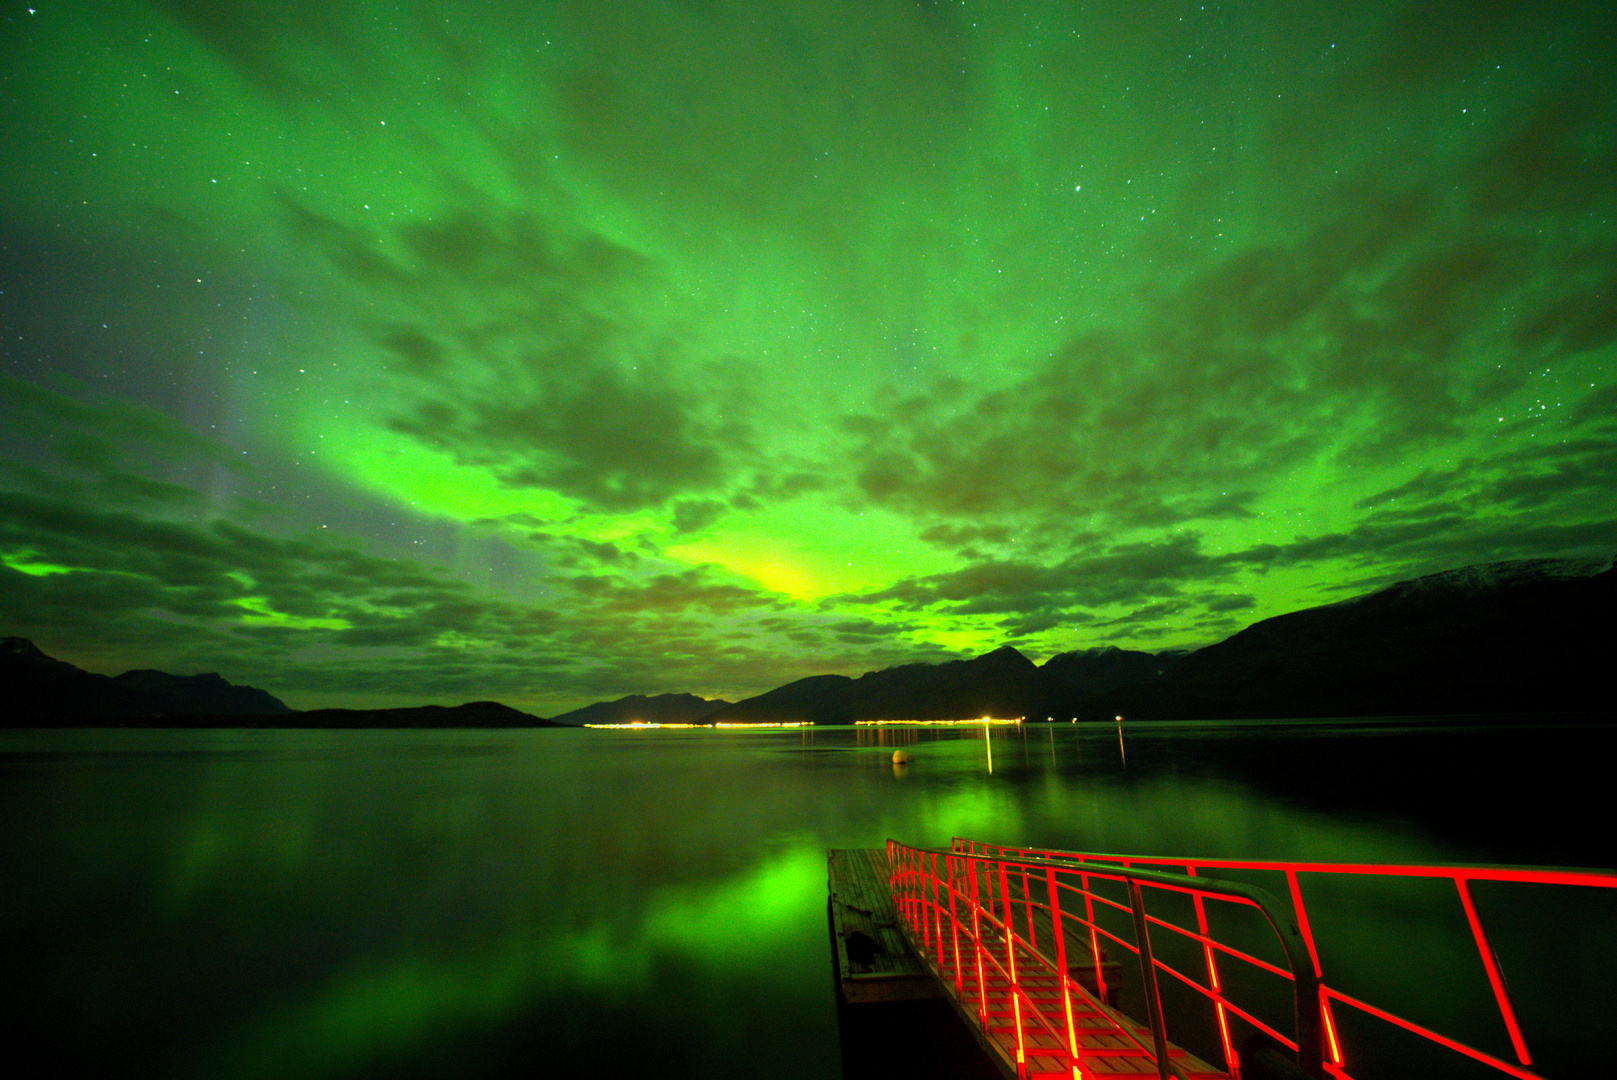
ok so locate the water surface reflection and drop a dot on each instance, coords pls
(478, 903)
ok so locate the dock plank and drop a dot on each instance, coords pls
(875, 960)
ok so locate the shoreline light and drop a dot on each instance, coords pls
(766, 724)
(980, 721)
(642, 725)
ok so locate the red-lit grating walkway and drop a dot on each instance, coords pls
(877, 960)
(1019, 941)
(1108, 1042)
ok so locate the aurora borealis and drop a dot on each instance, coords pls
(377, 354)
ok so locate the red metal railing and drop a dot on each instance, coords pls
(963, 907)
(1036, 1000)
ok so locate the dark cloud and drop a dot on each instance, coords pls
(613, 442)
(1567, 476)
(1032, 598)
(419, 353)
(279, 612)
(1429, 42)
(181, 586)
(861, 631)
(1176, 578)
(515, 352)
(565, 551)
(1584, 317)
(91, 429)
(1149, 622)
(957, 536)
(106, 486)
(1357, 340)
(1598, 406)
(1096, 429)
(693, 588)
(1403, 543)
(659, 112)
(1424, 487)
(362, 57)
(235, 32)
(690, 515)
(221, 597)
(1555, 158)
(1572, 478)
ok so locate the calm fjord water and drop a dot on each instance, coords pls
(482, 903)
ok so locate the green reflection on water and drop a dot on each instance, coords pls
(373, 1014)
(380, 1013)
(741, 920)
(971, 809)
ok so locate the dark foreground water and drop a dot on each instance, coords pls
(490, 904)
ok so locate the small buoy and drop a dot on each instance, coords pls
(900, 758)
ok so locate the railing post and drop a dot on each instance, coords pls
(927, 913)
(895, 859)
(1010, 965)
(1490, 961)
(1231, 1061)
(1311, 1041)
(954, 930)
(937, 911)
(1094, 937)
(919, 873)
(895, 863)
(906, 879)
(1073, 1060)
(1148, 977)
(912, 884)
(977, 948)
(1027, 902)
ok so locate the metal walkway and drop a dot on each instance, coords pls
(879, 960)
(1018, 940)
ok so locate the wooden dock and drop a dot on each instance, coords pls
(875, 961)
(878, 961)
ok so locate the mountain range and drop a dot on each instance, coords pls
(35, 686)
(639, 709)
(1520, 636)
(36, 689)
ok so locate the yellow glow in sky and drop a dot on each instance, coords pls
(811, 552)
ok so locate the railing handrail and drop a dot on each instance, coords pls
(1595, 877)
(1462, 875)
(1306, 993)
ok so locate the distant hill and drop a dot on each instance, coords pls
(35, 688)
(1522, 636)
(38, 690)
(662, 709)
(473, 714)
(1001, 683)
(1095, 671)
(199, 694)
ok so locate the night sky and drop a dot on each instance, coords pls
(383, 354)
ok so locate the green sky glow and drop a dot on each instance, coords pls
(553, 352)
